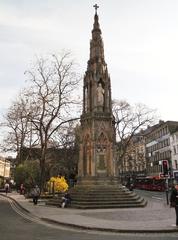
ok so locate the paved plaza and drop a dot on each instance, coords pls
(155, 217)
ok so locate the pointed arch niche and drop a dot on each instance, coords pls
(101, 155)
(87, 156)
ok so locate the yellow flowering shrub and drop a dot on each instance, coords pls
(60, 184)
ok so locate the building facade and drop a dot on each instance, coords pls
(134, 161)
(174, 153)
(149, 148)
(161, 144)
(5, 166)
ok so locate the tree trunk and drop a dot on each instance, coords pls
(42, 169)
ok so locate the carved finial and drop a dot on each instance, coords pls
(96, 7)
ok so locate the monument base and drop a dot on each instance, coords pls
(106, 192)
(93, 181)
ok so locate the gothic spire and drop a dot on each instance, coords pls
(96, 26)
(96, 43)
(97, 90)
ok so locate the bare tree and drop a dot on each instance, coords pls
(52, 99)
(66, 140)
(49, 102)
(129, 120)
(18, 127)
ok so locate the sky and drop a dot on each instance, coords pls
(140, 42)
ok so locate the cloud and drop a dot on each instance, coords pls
(140, 39)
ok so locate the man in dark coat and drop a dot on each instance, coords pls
(35, 194)
(174, 201)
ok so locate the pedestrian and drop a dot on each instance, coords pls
(66, 200)
(22, 189)
(35, 194)
(71, 179)
(6, 186)
(129, 184)
(174, 201)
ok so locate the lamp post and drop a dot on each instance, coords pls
(170, 168)
(165, 171)
(4, 174)
(167, 190)
(151, 168)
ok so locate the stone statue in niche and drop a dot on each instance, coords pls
(100, 95)
(86, 99)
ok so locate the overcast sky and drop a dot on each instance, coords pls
(140, 40)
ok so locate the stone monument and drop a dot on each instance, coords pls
(97, 143)
(97, 185)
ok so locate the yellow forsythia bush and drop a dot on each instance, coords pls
(60, 184)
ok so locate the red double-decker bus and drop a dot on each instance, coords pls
(150, 183)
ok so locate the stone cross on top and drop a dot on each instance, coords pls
(95, 6)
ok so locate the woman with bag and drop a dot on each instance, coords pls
(174, 201)
(35, 194)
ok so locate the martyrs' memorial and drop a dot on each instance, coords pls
(97, 185)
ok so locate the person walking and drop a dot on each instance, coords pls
(174, 201)
(35, 194)
(6, 186)
(22, 189)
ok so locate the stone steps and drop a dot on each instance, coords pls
(95, 193)
(105, 199)
(101, 196)
(95, 205)
(100, 191)
(104, 196)
(86, 202)
(121, 205)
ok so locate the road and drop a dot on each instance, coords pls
(15, 224)
(152, 194)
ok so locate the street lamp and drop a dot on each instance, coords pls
(4, 174)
